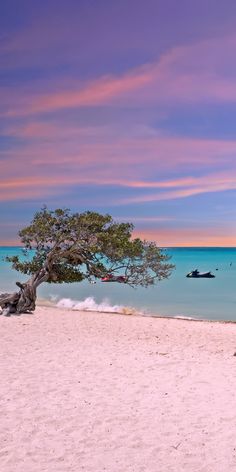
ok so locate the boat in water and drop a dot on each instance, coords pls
(114, 278)
(195, 274)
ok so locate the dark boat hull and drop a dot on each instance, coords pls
(204, 275)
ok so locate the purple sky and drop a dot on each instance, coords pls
(123, 107)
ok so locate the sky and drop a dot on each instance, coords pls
(123, 107)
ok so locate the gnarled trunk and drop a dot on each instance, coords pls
(23, 301)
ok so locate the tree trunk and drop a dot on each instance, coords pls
(23, 301)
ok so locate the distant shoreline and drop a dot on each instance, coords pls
(161, 247)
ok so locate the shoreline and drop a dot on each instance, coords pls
(45, 303)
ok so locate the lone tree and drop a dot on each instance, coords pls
(70, 247)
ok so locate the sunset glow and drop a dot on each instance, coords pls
(120, 109)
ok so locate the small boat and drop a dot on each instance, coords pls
(195, 274)
(114, 278)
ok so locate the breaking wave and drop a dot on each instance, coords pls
(89, 304)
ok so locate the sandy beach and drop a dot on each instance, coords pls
(100, 392)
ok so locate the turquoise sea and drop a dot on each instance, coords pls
(212, 299)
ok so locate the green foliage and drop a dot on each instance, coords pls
(72, 247)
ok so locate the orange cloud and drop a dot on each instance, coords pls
(175, 237)
(9, 242)
(188, 237)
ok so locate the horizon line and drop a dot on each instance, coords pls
(161, 247)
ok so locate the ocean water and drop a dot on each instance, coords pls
(212, 299)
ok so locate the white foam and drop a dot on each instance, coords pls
(89, 304)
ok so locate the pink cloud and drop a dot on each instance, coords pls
(56, 156)
(33, 187)
(104, 155)
(188, 237)
(114, 151)
(202, 72)
(98, 92)
(195, 186)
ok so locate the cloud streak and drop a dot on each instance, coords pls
(184, 74)
(140, 151)
(99, 92)
(123, 130)
(195, 186)
(187, 237)
(33, 187)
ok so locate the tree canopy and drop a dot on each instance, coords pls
(70, 247)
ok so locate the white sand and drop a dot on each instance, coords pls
(103, 392)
